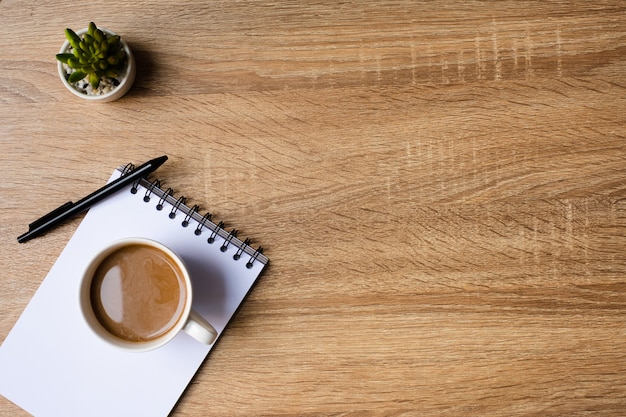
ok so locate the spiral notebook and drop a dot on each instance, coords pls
(52, 365)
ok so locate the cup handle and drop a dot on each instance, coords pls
(200, 329)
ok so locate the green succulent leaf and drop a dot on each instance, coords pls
(64, 57)
(113, 40)
(95, 55)
(76, 76)
(73, 62)
(78, 53)
(98, 35)
(91, 28)
(94, 80)
(72, 38)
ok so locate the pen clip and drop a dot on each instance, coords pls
(50, 215)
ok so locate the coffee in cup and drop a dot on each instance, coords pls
(136, 294)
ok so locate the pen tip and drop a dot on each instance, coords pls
(160, 160)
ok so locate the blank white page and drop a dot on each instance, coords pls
(52, 365)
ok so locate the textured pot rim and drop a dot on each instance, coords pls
(120, 90)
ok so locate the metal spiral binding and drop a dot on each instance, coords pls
(206, 218)
(220, 226)
(150, 189)
(128, 168)
(230, 237)
(258, 253)
(168, 193)
(241, 249)
(189, 215)
(205, 221)
(180, 202)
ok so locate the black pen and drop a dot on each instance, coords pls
(69, 209)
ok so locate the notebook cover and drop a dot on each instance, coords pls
(51, 364)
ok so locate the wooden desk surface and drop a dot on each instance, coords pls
(440, 187)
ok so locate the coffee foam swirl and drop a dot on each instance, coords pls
(138, 293)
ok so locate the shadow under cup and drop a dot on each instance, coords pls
(136, 294)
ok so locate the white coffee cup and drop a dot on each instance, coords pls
(125, 285)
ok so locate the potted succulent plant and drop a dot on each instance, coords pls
(96, 64)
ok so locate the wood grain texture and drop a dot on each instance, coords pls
(440, 188)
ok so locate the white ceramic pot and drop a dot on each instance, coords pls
(126, 80)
